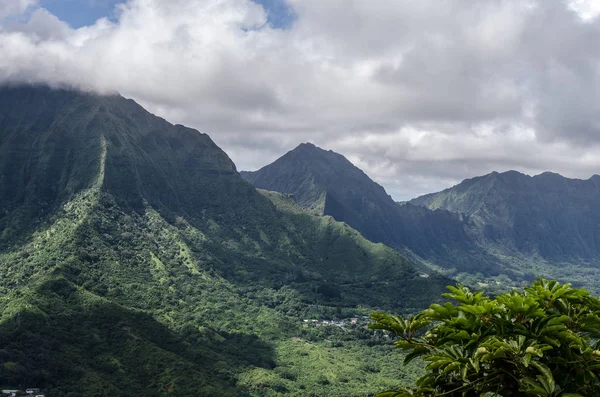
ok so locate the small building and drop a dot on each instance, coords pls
(10, 392)
(31, 390)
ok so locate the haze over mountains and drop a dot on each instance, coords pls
(504, 228)
(136, 261)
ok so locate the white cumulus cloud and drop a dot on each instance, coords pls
(420, 94)
(10, 8)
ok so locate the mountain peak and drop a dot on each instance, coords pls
(512, 173)
(326, 180)
(308, 148)
(307, 145)
(147, 159)
(550, 173)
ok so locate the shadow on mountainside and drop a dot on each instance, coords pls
(73, 343)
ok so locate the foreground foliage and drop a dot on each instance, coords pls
(539, 341)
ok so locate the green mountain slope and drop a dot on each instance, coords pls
(328, 181)
(497, 231)
(136, 261)
(547, 220)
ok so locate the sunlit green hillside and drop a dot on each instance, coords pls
(136, 261)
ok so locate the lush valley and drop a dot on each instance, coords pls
(136, 261)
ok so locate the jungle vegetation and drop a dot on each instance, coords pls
(540, 341)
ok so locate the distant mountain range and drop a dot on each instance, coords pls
(498, 229)
(135, 260)
(547, 215)
(546, 224)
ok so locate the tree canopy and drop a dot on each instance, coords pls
(539, 341)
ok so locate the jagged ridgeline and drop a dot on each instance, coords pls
(134, 260)
(497, 231)
(325, 181)
(544, 225)
(549, 215)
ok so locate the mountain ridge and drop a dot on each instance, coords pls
(125, 239)
(546, 214)
(497, 229)
(350, 196)
(496, 177)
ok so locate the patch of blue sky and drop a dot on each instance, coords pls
(279, 14)
(78, 13)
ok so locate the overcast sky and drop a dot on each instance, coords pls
(419, 94)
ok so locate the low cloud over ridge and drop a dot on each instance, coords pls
(418, 94)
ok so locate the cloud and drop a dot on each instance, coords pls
(9, 8)
(586, 9)
(419, 94)
(42, 25)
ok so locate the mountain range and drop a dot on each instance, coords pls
(135, 260)
(326, 182)
(545, 224)
(498, 231)
(547, 215)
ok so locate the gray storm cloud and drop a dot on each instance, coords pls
(418, 94)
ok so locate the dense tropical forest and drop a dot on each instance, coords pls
(136, 261)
